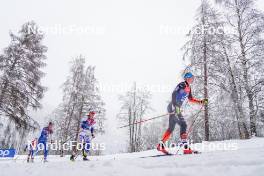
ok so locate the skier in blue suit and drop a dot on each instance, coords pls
(179, 95)
(43, 139)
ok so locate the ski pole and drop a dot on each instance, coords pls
(195, 118)
(145, 120)
(71, 137)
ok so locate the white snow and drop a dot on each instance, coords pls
(236, 158)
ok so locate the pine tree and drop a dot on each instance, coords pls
(20, 76)
(135, 104)
(80, 95)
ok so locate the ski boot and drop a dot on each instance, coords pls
(32, 160)
(85, 156)
(85, 159)
(72, 158)
(185, 144)
(187, 149)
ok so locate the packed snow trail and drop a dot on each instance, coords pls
(247, 160)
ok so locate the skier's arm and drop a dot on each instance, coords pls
(174, 98)
(194, 100)
(26, 148)
(51, 139)
(92, 131)
(50, 136)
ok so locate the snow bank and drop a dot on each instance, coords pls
(246, 159)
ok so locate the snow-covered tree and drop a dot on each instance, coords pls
(247, 29)
(135, 104)
(20, 76)
(202, 48)
(228, 51)
(80, 95)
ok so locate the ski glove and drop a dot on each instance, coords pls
(93, 136)
(25, 149)
(204, 101)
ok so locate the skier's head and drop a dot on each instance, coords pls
(50, 127)
(91, 114)
(188, 77)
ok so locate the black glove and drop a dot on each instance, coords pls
(25, 149)
(204, 101)
(93, 136)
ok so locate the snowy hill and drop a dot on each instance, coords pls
(246, 159)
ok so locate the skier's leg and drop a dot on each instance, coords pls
(86, 148)
(74, 151)
(181, 121)
(88, 144)
(184, 143)
(167, 134)
(183, 127)
(172, 123)
(37, 149)
(32, 154)
(28, 156)
(45, 151)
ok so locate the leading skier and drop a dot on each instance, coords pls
(180, 93)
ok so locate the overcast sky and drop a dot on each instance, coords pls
(127, 41)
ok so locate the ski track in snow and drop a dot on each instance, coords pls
(247, 160)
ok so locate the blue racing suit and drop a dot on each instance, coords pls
(179, 95)
(43, 140)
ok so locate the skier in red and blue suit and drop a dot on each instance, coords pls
(179, 95)
(30, 148)
(87, 128)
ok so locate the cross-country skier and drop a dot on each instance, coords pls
(181, 92)
(30, 148)
(43, 139)
(87, 128)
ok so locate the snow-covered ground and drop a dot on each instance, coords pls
(234, 158)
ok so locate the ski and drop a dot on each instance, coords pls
(171, 154)
(158, 155)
